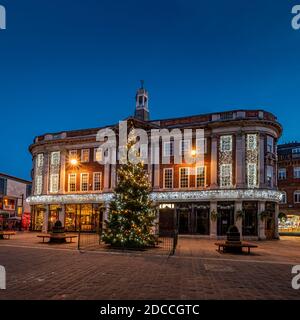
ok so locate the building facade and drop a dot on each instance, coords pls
(289, 184)
(236, 181)
(14, 210)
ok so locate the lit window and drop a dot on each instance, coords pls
(98, 154)
(72, 182)
(270, 176)
(97, 181)
(40, 160)
(226, 143)
(282, 173)
(73, 154)
(297, 172)
(252, 175)
(270, 144)
(38, 185)
(84, 182)
(54, 183)
(284, 198)
(168, 178)
(297, 196)
(55, 158)
(200, 177)
(85, 155)
(184, 177)
(251, 142)
(226, 175)
(201, 146)
(168, 148)
(185, 147)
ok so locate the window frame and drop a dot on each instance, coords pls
(296, 193)
(224, 176)
(223, 143)
(100, 181)
(82, 160)
(38, 188)
(204, 172)
(295, 170)
(198, 145)
(69, 182)
(52, 176)
(171, 153)
(53, 161)
(188, 177)
(164, 178)
(280, 170)
(96, 150)
(87, 182)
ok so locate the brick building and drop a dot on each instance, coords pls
(236, 182)
(14, 210)
(289, 184)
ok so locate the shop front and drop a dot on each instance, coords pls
(74, 217)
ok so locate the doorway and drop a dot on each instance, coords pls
(225, 217)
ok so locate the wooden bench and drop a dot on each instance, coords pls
(6, 234)
(224, 246)
(49, 236)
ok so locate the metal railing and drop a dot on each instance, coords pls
(165, 243)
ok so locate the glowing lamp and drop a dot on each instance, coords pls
(74, 162)
(193, 153)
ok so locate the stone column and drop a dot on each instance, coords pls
(276, 234)
(262, 181)
(113, 176)
(214, 163)
(240, 160)
(62, 215)
(261, 223)
(46, 218)
(213, 224)
(238, 206)
(106, 177)
(156, 184)
(62, 175)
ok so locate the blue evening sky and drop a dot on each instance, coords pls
(71, 64)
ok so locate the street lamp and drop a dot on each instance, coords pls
(74, 162)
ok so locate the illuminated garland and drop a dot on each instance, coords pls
(229, 194)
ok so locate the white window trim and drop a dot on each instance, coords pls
(280, 170)
(40, 160)
(183, 152)
(296, 192)
(205, 176)
(248, 175)
(94, 174)
(294, 171)
(52, 176)
(69, 184)
(230, 175)
(188, 174)
(38, 186)
(164, 185)
(222, 138)
(285, 202)
(171, 153)
(52, 158)
(249, 135)
(198, 145)
(82, 152)
(95, 154)
(88, 177)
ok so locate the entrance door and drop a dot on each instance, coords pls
(184, 222)
(225, 217)
(202, 221)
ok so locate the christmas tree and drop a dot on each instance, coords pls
(131, 215)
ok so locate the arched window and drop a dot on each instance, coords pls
(284, 198)
(297, 196)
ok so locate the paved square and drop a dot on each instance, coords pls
(197, 271)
